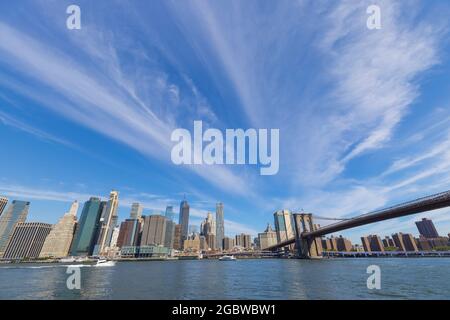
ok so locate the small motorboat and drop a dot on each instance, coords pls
(105, 263)
(227, 258)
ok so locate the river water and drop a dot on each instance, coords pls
(401, 278)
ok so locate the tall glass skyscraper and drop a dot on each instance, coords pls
(169, 213)
(220, 226)
(136, 211)
(184, 220)
(87, 230)
(16, 213)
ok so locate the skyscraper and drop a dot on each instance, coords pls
(427, 229)
(129, 233)
(177, 244)
(87, 230)
(169, 213)
(169, 233)
(153, 231)
(220, 226)
(372, 243)
(208, 226)
(3, 203)
(16, 213)
(27, 240)
(267, 238)
(57, 244)
(284, 225)
(108, 222)
(184, 220)
(136, 211)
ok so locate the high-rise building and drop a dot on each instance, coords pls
(169, 213)
(169, 234)
(108, 221)
(220, 226)
(192, 244)
(427, 229)
(243, 240)
(372, 243)
(184, 219)
(114, 237)
(208, 226)
(129, 233)
(27, 240)
(88, 227)
(177, 244)
(136, 211)
(57, 244)
(16, 213)
(267, 238)
(388, 242)
(284, 225)
(153, 231)
(211, 241)
(228, 243)
(3, 203)
(343, 244)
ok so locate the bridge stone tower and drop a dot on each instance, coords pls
(307, 248)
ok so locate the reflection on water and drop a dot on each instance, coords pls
(414, 278)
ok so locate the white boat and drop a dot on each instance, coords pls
(227, 258)
(67, 260)
(105, 263)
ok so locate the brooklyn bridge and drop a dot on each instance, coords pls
(307, 239)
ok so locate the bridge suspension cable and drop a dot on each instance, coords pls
(335, 219)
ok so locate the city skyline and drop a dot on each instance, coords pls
(282, 221)
(363, 120)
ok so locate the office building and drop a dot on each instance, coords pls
(427, 229)
(108, 221)
(3, 203)
(57, 244)
(27, 240)
(372, 243)
(169, 213)
(177, 241)
(208, 226)
(16, 213)
(211, 241)
(267, 238)
(243, 240)
(169, 233)
(87, 228)
(284, 225)
(228, 244)
(192, 244)
(136, 211)
(184, 220)
(220, 226)
(153, 231)
(129, 233)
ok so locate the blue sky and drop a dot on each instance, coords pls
(363, 114)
